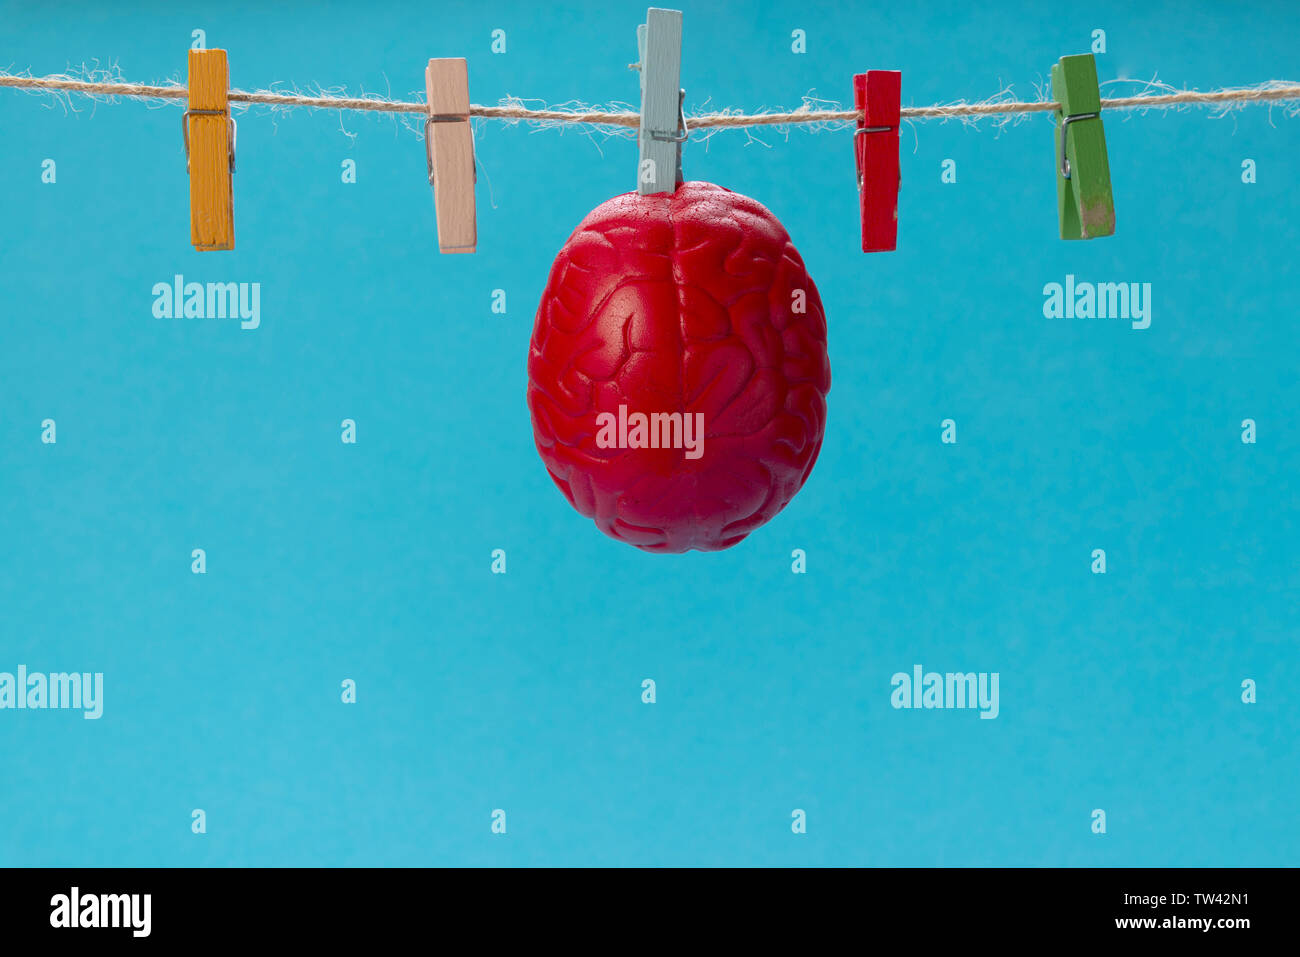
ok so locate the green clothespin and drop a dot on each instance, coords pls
(1083, 196)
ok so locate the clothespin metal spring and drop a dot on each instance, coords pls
(874, 129)
(428, 140)
(683, 134)
(1065, 122)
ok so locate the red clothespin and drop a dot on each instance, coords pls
(876, 95)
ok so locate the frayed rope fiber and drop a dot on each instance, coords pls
(1273, 91)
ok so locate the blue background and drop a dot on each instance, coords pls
(522, 692)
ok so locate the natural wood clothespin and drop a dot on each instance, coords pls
(209, 131)
(877, 94)
(449, 144)
(1084, 202)
(662, 129)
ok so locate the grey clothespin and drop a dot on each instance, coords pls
(662, 130)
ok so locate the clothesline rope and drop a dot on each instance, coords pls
(1273, 91)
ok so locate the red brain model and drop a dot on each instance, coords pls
(690, 302)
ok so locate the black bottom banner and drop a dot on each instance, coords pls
(1170, 907)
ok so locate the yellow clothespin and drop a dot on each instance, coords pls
(449, 143)
(209, 132)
